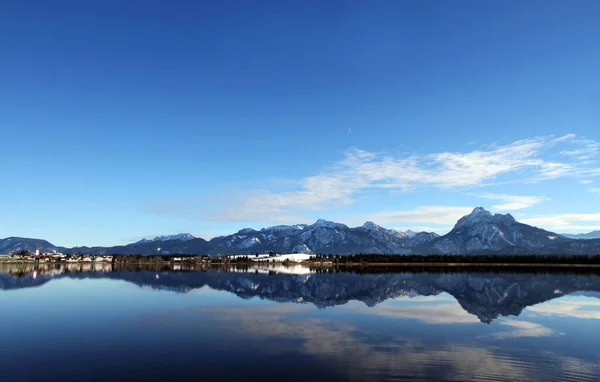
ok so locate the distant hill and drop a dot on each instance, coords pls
(158, 247)
(586, 236)
(14, 244)
(479, 232)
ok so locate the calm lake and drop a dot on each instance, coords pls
(97, 324)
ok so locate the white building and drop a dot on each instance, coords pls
(293, 257)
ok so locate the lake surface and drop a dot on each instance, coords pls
(93, 323)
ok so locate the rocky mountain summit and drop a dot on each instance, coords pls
(484, 232)
(179, 236)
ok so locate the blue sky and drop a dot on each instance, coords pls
(121, 120)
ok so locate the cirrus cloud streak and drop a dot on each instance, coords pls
(566, 222)
(342, 183)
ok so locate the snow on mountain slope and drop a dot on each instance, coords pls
(481, 232)
(410, 233)
(179, 236)
(421, 238)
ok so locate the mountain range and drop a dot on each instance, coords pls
(480, 232)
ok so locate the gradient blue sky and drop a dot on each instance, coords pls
(121, 120)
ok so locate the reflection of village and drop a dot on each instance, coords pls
(51, 270)
(32, 269)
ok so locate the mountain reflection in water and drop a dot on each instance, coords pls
(93, 322)
(484, 295)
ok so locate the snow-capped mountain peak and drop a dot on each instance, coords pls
(322, 223)
(423, 237)
(284, 228)
(481, 216)
(179, 236)
(410, 233)
(478, 213)
(371, 226)
(481, 231)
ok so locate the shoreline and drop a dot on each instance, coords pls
(492, 265)
(309, 264)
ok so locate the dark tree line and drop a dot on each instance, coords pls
(461, 259)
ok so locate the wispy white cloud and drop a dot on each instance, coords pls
(567, 137)
(586, 181)
(446, 313)
(341, 183)
(552, 170)
(587, 149)
(436, 215)
(359, 357)
(566, 222)
(522, 329)
(513, 202)
(595, 190)
(586, 308)
(360, 170)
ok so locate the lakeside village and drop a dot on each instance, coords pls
(56, 257)
(26, 257)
